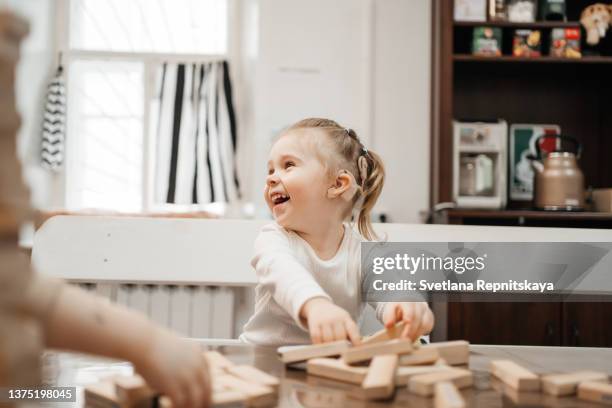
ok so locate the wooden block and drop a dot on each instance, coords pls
(336, 369)
(293, 354)
(216, 360)
(249, 373)
(133, 390)
(521, 398)
(228, 398)
(101, 394)
(424, 384)
(596, 392)
(455, 352)
(405, 373)
(366, 352)
(515, 375)
(257, 395)
(420, 357)
(446, 395)
(567, 384)
(385, 334)
(380, 380)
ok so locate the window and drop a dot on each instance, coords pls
(112, 48)
(159, 26)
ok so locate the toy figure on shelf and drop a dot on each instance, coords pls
(596, 19)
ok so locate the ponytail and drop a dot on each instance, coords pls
(371, 189)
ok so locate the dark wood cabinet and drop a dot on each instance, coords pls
(587, 324)
(573, 324)
(573, 93)
(506, 323)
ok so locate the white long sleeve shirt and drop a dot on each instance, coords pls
(290, 273)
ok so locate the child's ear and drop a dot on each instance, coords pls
(344, 186)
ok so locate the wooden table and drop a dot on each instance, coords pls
(300, 390)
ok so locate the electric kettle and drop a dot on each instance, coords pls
(558, 181)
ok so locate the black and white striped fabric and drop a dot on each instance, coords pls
(54, 125)
(195, 127)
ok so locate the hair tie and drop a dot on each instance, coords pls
(348, 131)
(362, 164)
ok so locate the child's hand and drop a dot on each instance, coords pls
(328, 322)
(417, 315)
(177, 369)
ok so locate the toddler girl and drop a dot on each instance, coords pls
(308, 261)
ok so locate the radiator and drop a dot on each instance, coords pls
(192, 311)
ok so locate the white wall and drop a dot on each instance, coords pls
(302, 59)
(364, 63)
(401, 105)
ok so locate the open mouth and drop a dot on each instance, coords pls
(280, 198)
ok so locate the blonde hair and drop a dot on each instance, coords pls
(348, 151)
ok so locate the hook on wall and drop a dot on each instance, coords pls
(60, 67)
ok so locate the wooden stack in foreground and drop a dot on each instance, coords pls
(232, 385)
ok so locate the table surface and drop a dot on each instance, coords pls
(298, 389)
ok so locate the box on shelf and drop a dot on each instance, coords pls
(497, 10)
(470, 10)
(553, 10)
(522, 11)
(522, 144)
(487, 41)
(602, 199)
(527, 43)
(479, 164)
(565, 43)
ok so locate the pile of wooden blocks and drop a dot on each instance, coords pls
(232, 385)
(587, 385)
(383, 362)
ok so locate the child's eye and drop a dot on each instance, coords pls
(270, 171)
(289, 164)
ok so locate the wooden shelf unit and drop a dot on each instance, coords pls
(531, 60)
(509, 24)
(565, 219)
(574, 94)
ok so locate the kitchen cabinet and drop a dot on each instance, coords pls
(505, 323)
(572, 324)
(587, 324)
(573, 93)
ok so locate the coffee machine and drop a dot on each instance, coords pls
(479, 164)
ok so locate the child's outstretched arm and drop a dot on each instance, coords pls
(296, 290)
(328, 322)
(78, 321)
(417, 315)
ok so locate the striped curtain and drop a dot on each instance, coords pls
(195, 124)
(54, 124)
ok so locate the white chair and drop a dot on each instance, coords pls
(194, 275)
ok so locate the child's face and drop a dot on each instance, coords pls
(297, 183)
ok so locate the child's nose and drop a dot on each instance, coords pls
(272, 179)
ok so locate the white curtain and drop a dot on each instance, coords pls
(195, 125)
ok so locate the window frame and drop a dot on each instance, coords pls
(150, 63)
